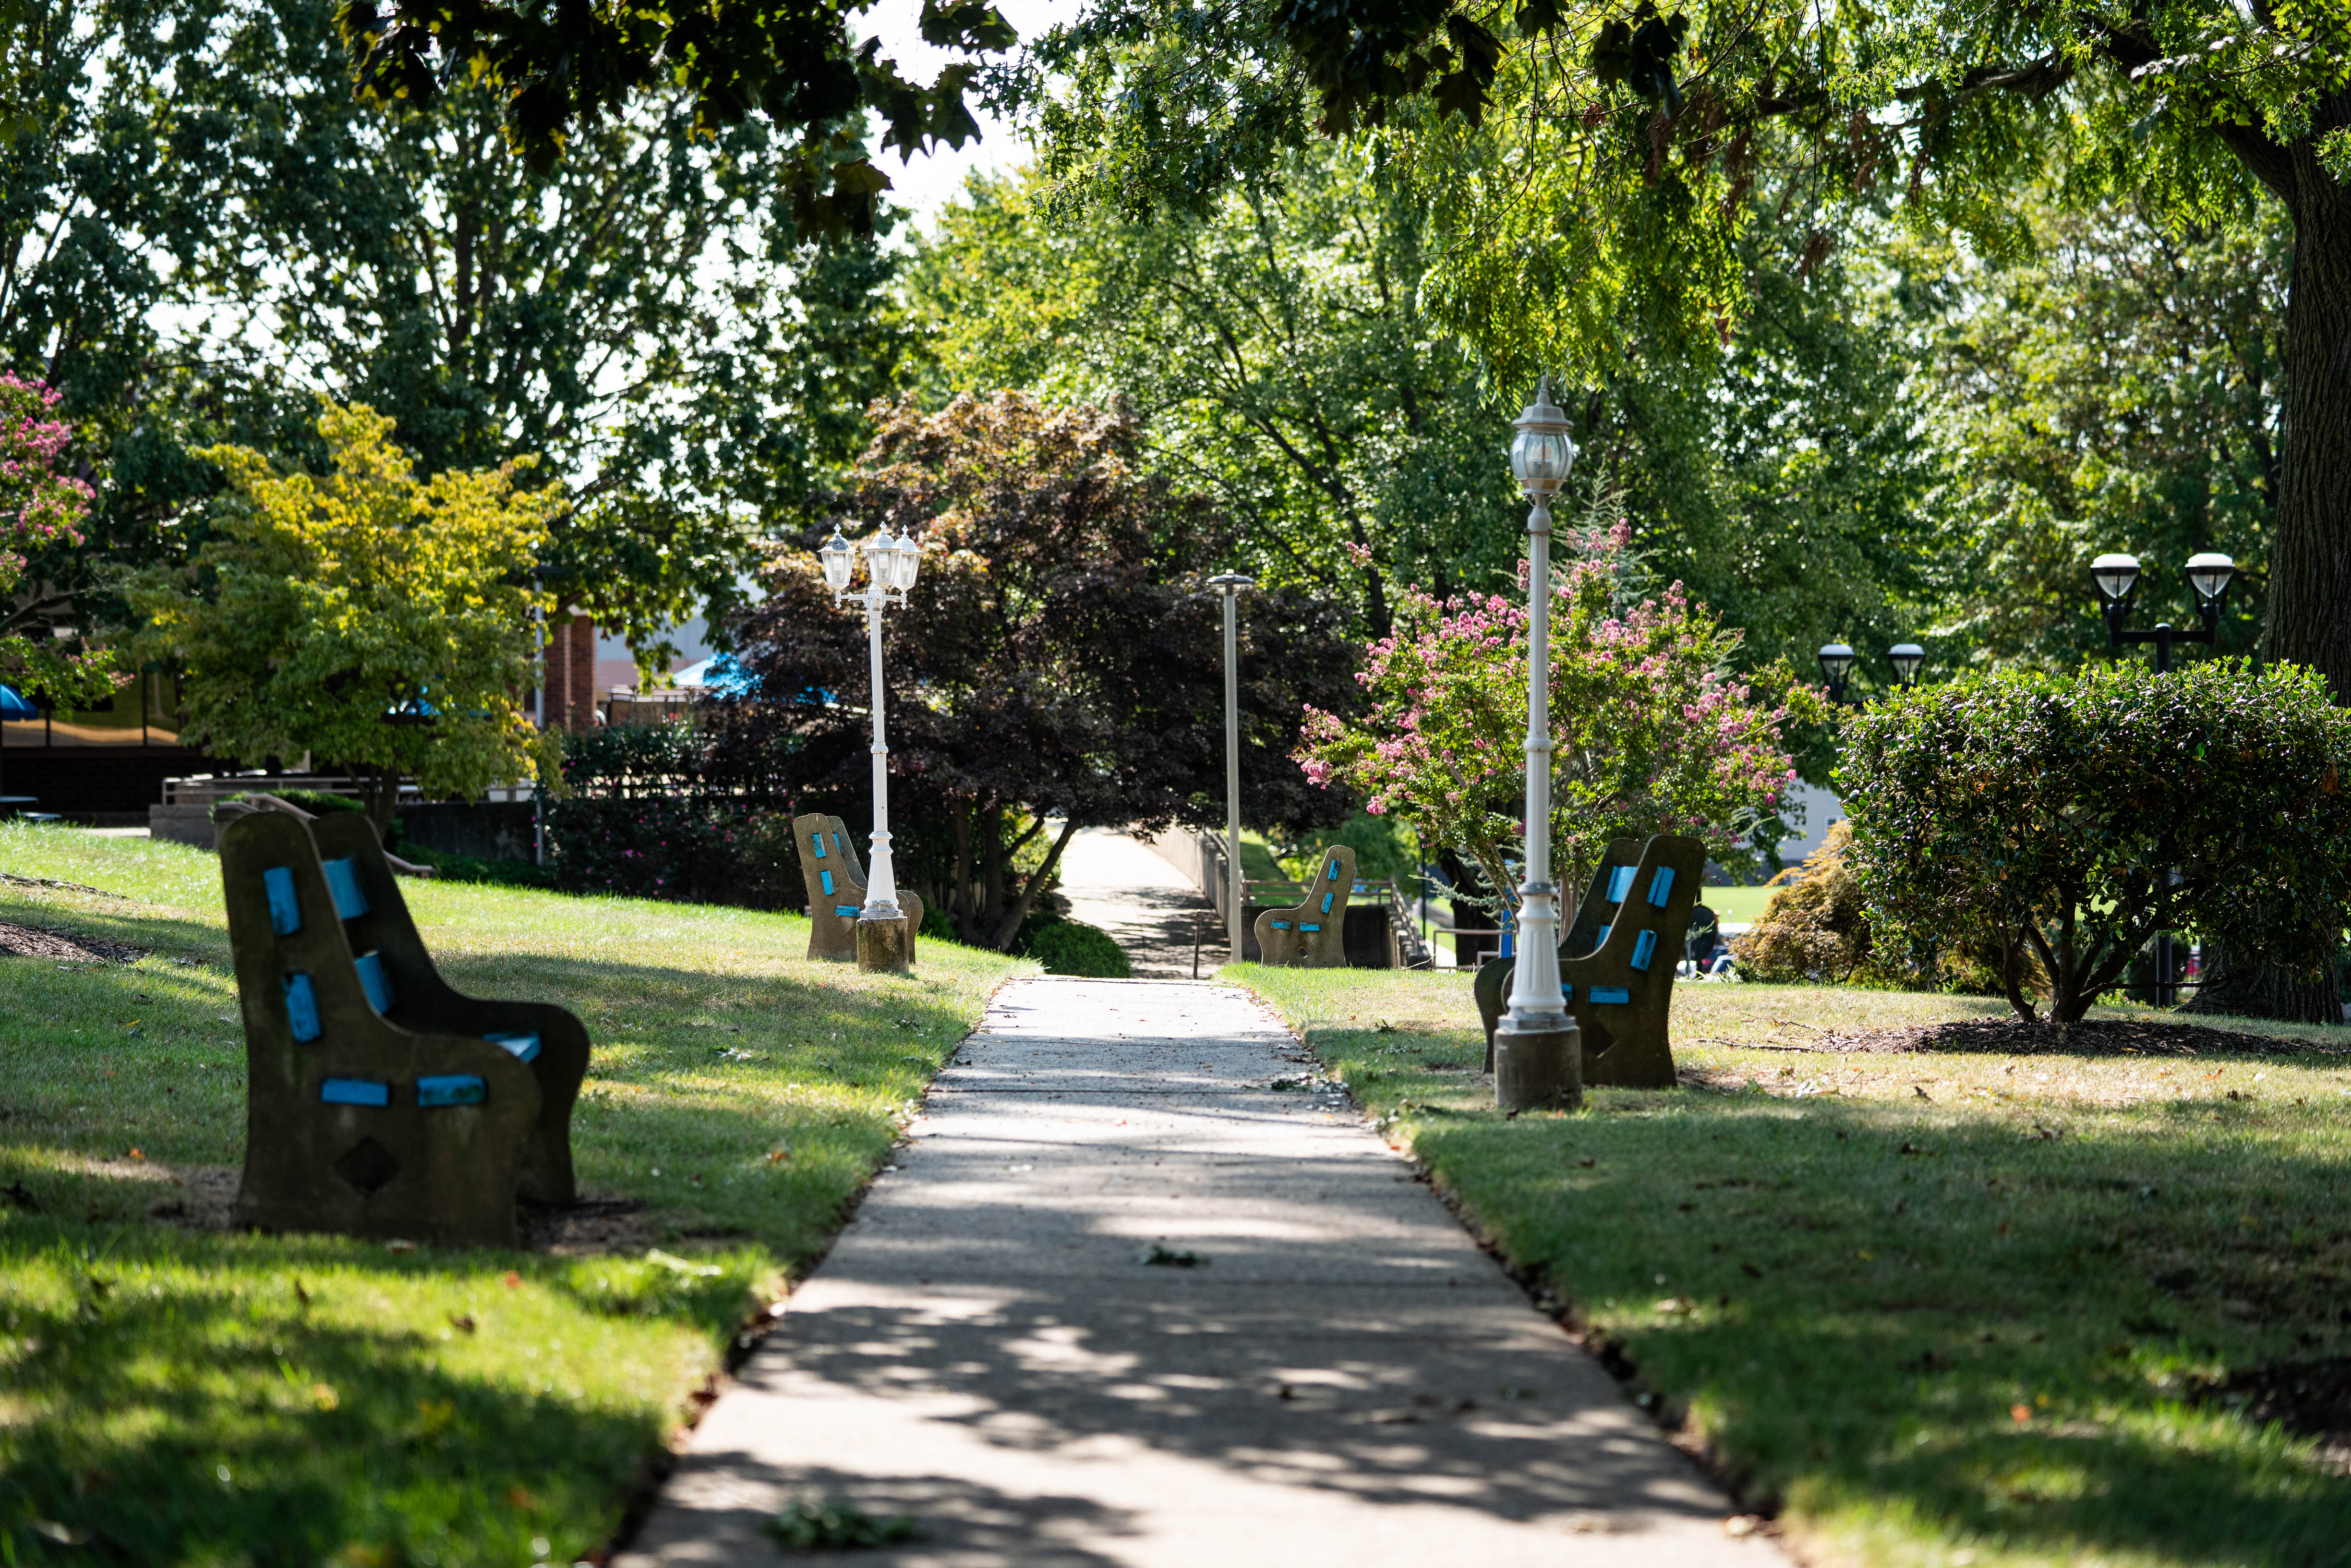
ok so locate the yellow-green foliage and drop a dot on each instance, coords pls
(328, 601)
(1815, 927)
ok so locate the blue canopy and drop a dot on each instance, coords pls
(13, 706)
(718, 674)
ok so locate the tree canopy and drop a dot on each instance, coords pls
(1593, 166)
(371, 620)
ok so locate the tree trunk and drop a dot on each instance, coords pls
(2310, 562)
(380, 794)
(2310, 566)
(2236, 982)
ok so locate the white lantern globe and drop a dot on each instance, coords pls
(2116, 575)
(1542, 455)
(2211, 573)
(838, 559)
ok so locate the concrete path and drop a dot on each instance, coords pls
(1116, 883)
(1345, 1377)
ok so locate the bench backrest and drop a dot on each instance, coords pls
(1313, 931)
(356, 1122)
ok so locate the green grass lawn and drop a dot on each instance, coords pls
(1933, 1309)
(1735, 904)
(175, 1394)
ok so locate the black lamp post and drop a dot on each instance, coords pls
(2115, 576)
(1905, 658)
(1837, 668)
(1837, 660)
(2117, 579)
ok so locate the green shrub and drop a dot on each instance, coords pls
(2045, 811)
(1817, 930)
(472, 868)
(1073, 947)
(317, 803)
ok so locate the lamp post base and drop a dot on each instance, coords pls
(1538, 1070)
(885, 946)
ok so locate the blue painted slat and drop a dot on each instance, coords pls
(355, 1091)
(1602, 940)
(850, 910)
(1281, 925)
(1326, 902)
(1567, 993)
(521, 1047)
(1611, 994)
(301, 1008)
(826, 877)
(374, 981)
(817, 840)
(1645, 946)
(285, 908)
(1620, 882)
(451, 1089)
(1660, 885)
(1303, 926)
(1333, 874)
(343, 882)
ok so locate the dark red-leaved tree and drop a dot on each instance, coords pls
(1060, 659)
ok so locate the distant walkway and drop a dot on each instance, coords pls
(1322, 1369)
(1118, 884)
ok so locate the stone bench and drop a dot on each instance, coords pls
(1626, 942)
(1312, 935)
(381, 1101)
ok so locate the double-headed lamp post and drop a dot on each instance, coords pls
(890, 565)
(1538, 1056)
(2115, 576)
(1837, 660)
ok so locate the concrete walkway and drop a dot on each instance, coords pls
(1116, 883)
(1345, 1377)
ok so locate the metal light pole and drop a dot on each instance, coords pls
(1230, 584)
(883, 943)
(1537, 1054)
(2115, 576)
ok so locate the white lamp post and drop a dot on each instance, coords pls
(1230, 584)
(1537, 1050)
(890, 565)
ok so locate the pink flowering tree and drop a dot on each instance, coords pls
(38, 506)
(1653, 734)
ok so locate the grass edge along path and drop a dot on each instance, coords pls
(171, 1394)
(1927, 1309)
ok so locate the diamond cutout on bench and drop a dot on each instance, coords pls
(368, 1167)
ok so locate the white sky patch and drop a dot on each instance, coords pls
(931, 181)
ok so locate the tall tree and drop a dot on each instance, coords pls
(202, 235)
(2120, 387)
(1595, 164)
(1282, 352)
(369, 617)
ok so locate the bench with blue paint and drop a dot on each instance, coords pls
(835, 879)
(1617, 961)
(1313, 934)
(381, 1101)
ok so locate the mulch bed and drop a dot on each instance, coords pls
(33, 942)
(2308, 1398)
(2014, 1037)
